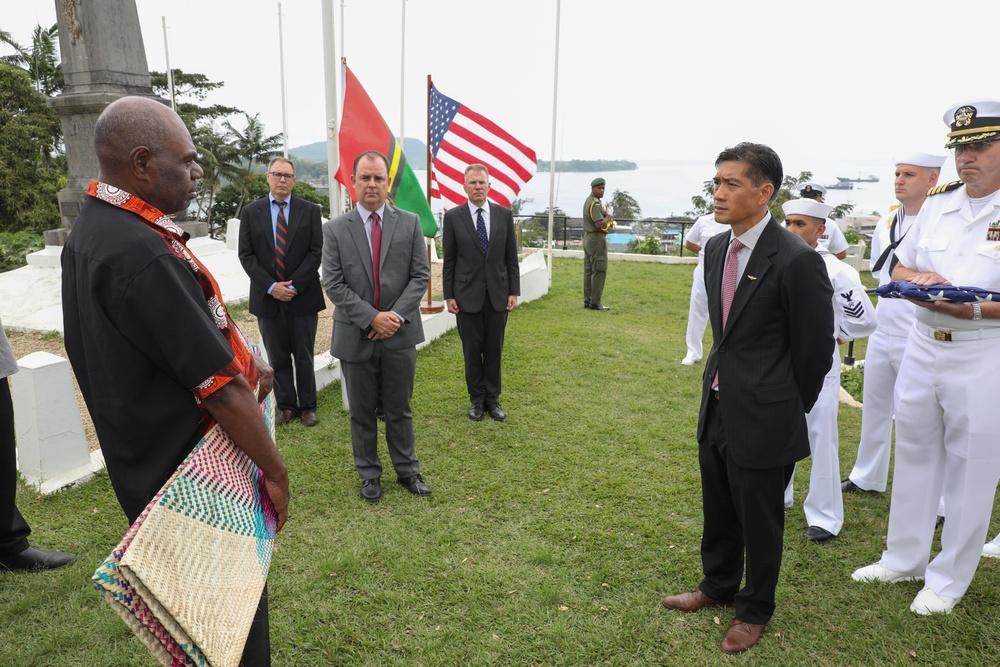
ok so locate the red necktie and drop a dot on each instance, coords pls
(376, 252)
(729, 279)
(280, 240)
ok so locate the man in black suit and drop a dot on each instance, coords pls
(482, 281)
(281, 247)
(769, 301)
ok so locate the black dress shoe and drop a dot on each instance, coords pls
(283, 417)
(35, 560)
(415, 485)
(371, 490)
(598, 306)
(847, 486)
(818, 535)
(496, 412)
(586, 304)
(476, 412)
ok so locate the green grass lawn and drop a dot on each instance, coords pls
(550, 539)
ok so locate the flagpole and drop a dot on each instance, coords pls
(402, 80)
(431, 306)
(281, 64)
(332, 74)
(552, 163)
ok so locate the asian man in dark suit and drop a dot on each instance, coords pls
(280, 247)
(769, 302)
(482, 281)
(376, 320)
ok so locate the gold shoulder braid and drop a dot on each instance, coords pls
(947, 187)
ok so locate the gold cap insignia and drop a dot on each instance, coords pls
(964, 116)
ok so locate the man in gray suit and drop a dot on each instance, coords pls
(376, 320)
(482, 280)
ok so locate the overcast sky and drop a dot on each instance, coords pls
(637, 79)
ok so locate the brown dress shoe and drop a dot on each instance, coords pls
(742, 636)
(309, 418)
(692, 601)
(283, 417)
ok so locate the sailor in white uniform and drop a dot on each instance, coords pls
(703, 229)
(832, 239)
(915, 175)
(854, 317)
(946, 428)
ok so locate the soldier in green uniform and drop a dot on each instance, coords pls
(596, 220)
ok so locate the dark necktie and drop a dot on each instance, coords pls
(376, 252)
(484, 242)
(281, 240)
(729, 280)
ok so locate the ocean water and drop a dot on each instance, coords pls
(664, 187)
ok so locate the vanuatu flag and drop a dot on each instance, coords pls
(362, 129)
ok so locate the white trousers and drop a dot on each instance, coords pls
(697, 314)
(946, 439)
(824, 504)
(882, 359)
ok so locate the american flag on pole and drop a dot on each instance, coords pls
(460, 137)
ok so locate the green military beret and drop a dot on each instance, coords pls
(597, 181)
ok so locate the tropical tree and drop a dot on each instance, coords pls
(29, 132)
(220, 163)
(40, 61)
(252, 146)
(703, 204)
(190, 89)
(625, 206)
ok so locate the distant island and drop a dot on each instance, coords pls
(416, 155)
(589, 165)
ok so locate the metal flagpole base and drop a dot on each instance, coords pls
(431, 307)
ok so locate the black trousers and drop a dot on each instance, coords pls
(744, 513)
(290, 340)
(482, 344)
(257, 652)
(14, 529)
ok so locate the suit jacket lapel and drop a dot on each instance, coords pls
(357, 228)
(389, 227)
(757, 267)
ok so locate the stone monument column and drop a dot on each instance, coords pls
(103, 59)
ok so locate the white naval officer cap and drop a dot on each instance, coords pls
(972, 122)
(810, 186)
(809, 207)
(921, 160)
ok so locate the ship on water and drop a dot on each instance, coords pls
(841, 185)
(860, 179)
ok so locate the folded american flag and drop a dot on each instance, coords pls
(901, 289)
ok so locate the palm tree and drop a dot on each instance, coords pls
(251, 146)
(220, 162)
(41, 61)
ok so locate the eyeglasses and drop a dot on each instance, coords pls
(975, 149)
(282, 177)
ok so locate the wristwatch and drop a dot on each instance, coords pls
(977, 312)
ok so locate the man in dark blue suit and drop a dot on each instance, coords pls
(482, 281)
(281, 248)
(769, 301)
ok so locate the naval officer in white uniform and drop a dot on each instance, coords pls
(946, 429)
(703, 229)
(853, 317)
(916, 173)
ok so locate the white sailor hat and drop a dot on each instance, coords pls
(921, 160)
(811, 189)
(973, 123)
(808, 207)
